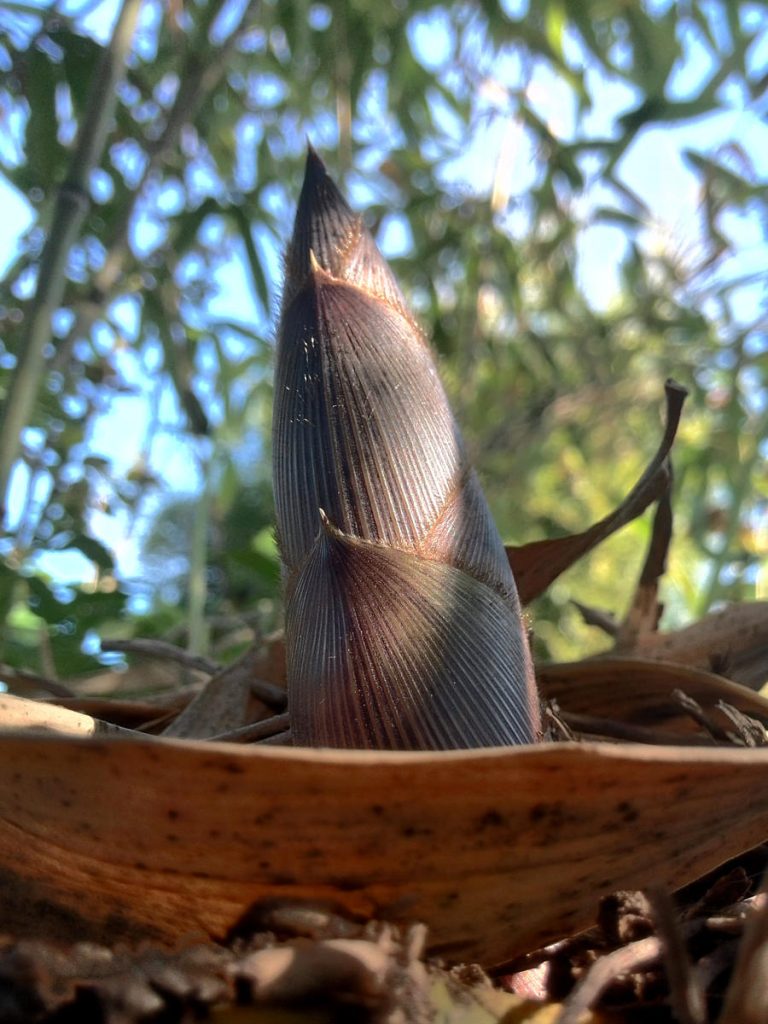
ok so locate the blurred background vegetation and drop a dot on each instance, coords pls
(572, 193)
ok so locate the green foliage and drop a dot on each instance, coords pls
(433, 114)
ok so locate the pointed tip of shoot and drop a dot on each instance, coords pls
(314, 166)
(328, 235)
(324, 228)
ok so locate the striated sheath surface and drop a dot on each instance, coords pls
(403, 627)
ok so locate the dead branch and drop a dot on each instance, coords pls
(268, 728)
(634, 957)
(686, 994)
(20, 679)
(150, 648)
(747, 996)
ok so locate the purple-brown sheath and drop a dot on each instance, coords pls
(403, 626)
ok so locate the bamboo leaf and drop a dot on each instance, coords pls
(42, 148)
(72, 205)
(555, 21)
(258, 276)
(81, 57)
(92, 549)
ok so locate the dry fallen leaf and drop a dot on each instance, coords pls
(735, 639)
(498, 851)
(537, 564)
(639, 691)
(20, 713)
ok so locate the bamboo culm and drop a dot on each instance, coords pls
(403, 625)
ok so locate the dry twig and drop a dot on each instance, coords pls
(747, 996)
(269, 728)
(686, 994)
(20, 679)
(150, 648)
(634, 957)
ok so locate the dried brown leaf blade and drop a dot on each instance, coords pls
(20, 713)
(129, 713)
(538, 564)
(645, 610)
(248, 690)
(733, 640)
(497, 851)
(639, 691)
(226, 702)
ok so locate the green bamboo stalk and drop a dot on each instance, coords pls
(342, 77)
(197, 80)
(739, 493)
(71, 208)
(197, 626)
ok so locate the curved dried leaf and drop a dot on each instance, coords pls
(536, 565)
(20, 713)
(734, 639)
(645, 610)
(389, 650)
(147, 715)
(227, 701)
(639, 691)
(498, 851)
